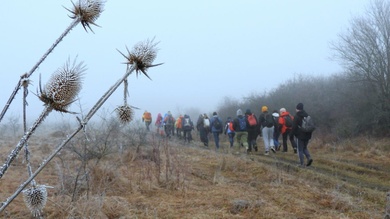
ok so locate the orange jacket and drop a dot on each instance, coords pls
(282, 121)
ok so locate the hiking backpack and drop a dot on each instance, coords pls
(252, 120)
(187, 122)
(217, 124)
(307, 124)
(288, 122)
(242, 123)
(206, 122)
(230, 126)
(269, 120)
(169, 120)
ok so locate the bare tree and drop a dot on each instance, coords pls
(364, 51)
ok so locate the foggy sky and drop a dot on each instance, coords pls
(210, 49)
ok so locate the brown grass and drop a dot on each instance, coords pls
(166, 179)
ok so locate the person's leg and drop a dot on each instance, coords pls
(293, 142)
(301, 145)
(307, 153)
(284, 140)
(238, 141)
(265, 139)
(216, 139)
(270, 133)
(244, 139)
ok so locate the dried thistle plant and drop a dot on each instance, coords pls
(125, 114)
(142, 56)
(87, 11)
(35, 199)
(63, 86)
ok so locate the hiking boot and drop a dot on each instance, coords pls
(309, 162)
(256, 149)
(273, 149)
(295, 150)
(266, 153)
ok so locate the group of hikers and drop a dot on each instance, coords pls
(244, 129)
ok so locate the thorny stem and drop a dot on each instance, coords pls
(125, 92)
(83, 122)
(24, 140)
(27, 75)
(40, 168)
(27, 152)
(108, 93)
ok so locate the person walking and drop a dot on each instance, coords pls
(252, 130)
(267, 129)
(187, 127)
(159, 124)
(203, 128)
(240, 125)
(147, 119)
(216, 128)
(169, 122)
(285, 124)
(178, 125)
(302, 137)
(229, 130)
(275, 116)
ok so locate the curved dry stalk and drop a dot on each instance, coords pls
(24, 140)
(27, 151)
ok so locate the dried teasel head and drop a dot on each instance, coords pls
(142, 56)
(125, 114)
(35, 199)
(87, 11)
(63, 86)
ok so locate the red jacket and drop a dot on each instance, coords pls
(282, 121)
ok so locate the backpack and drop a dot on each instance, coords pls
(252, 120)
(269, 120)
(242, 124)
(169, 120)
(187, 122)
(206, 122)
(217, 124)
(230, 126)
(148, 116)
(178, 123)
(288, 121)
(307, 124)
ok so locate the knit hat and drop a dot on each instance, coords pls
(282, 110)
(214, 113)
(248, 112)
(264, 109)
(239, 112)
(299, 106)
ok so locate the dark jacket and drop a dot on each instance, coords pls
(296, 131)
(236, 124)
(212, 120)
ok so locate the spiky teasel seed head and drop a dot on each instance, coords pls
(35, 199)
(142, 56)
(87, 11)
(63, 86)
(125, 114)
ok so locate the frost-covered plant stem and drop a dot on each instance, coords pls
(24, 140)
(90, 114)
(27, 75)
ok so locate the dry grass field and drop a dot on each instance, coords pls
(167, 179)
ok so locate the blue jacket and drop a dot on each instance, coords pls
(212, 120)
